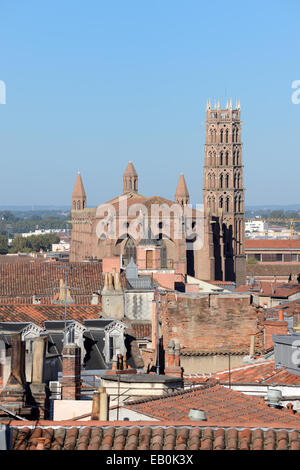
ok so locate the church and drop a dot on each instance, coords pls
(207, 244)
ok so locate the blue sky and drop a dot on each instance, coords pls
(93, 84)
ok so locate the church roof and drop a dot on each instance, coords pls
(78, 190)
(181, 187)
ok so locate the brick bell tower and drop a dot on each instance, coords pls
(223, 192)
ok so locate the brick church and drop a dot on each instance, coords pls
(219, 257)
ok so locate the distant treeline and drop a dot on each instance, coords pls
(34, 243)
(14, 222)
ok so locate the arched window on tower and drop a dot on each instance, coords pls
(221, 180)
(236, 135)
(226, 159)
(237, 157)
(239, 204)
(233, 158)
(221, 136)
(235, 204)
(211, 135)
(221, 158)
(78, 205)
(215, 135)
(227, 204)
(238, 180)
(226, 136)
(221, 202)
(209, 158)
(74, 205)
(227, 180)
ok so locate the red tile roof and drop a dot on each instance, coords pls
(23, 280)
(270, 243)
(223, 407)
(115, 436)
(39, 313)
(259, 372)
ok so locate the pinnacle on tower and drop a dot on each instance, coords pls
(130, 179)
(182, 195)
(78, 190)
(78, 195)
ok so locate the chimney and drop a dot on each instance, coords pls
(104, 408)
(171, 354)
(252, 346)
(71, 381)
(39, 391)
(174, 358)
(273, 327)
(95, 406)
(14, 395)
(280, 315)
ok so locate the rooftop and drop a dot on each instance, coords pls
(224, 408)
(74, 435)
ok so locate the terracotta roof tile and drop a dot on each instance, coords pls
(258, 372)
(38, 314)
(19, 282)
(223, 407)
(103, 436)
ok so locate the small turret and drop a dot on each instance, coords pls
(130, 179)
(182, 196)
(78, 196)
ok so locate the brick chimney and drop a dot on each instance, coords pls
(71, 381)
(274, 327)
(173, 369)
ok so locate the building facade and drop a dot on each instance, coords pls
(221, 253)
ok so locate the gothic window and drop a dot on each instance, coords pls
(227, 204)
(221, 158)
(221, 181)
(237, 157)
(233, 158)
(237, 135)
(215, 135)
(226, 136)
(239, 204)
(238, 180)
(78, 205)
(213, 182)
(221, 202)
(213, 204)
(211, 135)
(214, 159)
(163, 252)
(227, 181)
(221, 136)
(130, 251)
(226, 159)
(83, 205)
(235, 204)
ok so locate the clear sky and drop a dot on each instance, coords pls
(93, 84)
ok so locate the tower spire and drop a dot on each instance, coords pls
(182, 195)
(78, 195)
(130, 179)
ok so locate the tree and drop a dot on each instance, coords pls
(3, 245)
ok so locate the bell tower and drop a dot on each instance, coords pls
(223, 192)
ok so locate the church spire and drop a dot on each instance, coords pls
(182, 195)
(78, 196)
(130, 179)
